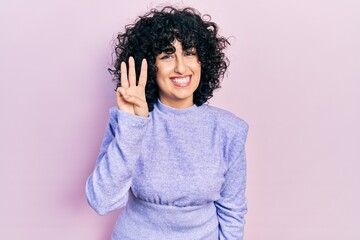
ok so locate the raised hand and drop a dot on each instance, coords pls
(131, 97)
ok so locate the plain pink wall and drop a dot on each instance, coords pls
(294, 76)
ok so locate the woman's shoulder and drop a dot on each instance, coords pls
(228, 123)
(234, 130)
(226, 118)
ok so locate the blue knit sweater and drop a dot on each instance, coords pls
(180, 173)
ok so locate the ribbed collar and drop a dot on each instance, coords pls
(165, 109)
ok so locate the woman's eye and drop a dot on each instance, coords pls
(166, 56)
(190, 53)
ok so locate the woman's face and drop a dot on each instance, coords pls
(178, 76)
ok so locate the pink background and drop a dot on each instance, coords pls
(294, 77)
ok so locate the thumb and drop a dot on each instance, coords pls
(140, 106)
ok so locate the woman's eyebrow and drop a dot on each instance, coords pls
(168, 50)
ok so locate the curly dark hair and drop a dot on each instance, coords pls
(154, 33)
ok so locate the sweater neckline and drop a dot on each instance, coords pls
(165, 109)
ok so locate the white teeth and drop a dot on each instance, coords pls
(181, 80)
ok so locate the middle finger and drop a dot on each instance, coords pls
(132, 73)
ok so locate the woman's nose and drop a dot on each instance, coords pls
(180, 65)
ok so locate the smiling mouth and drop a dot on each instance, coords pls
(181, 81)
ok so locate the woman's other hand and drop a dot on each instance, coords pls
(131, 97)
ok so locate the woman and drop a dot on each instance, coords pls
(175, 163)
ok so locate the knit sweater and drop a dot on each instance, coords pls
(180, 173)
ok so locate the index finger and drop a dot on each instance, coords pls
(124, 78)
(143, 73)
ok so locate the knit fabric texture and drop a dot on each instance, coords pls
(179, 173)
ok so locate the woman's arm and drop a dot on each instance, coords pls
(232, 207)
(107, 187)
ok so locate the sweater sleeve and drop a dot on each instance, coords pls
(232, 206)
(108, 185)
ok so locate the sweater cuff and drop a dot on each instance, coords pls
(130, 127)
